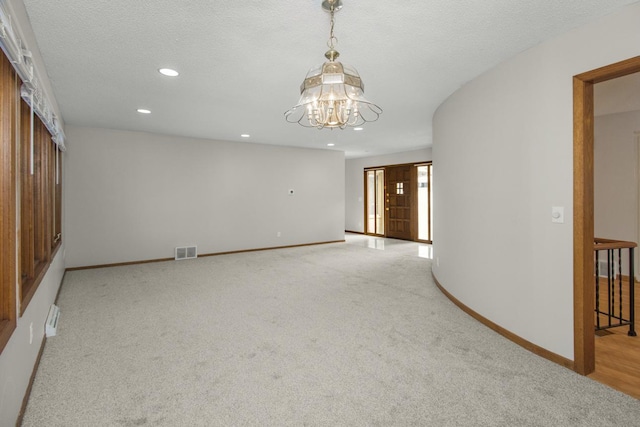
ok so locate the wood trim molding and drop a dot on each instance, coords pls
(535, 349)
(424, 163)
(272, 248)
(119, 264)
(612, 71)
(27, 393)
(583, 231)
(355, 232)
(55, 301)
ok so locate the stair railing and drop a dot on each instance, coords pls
(610, 308)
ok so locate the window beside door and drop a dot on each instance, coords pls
(374, 180)
(425, 202)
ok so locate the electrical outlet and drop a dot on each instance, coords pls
(437, 261)
(31, 333)
(278, 234)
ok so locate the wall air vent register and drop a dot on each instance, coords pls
(186, 252)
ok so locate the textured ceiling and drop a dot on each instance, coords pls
(242, 62)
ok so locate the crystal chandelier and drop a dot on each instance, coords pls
(332, 94)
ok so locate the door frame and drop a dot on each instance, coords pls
(414, 195)
(583, 206)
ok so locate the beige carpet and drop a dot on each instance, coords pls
(328, 335)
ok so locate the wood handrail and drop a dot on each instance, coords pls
(603, 244)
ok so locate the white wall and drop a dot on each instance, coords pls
(503, 148)
(134, 196)
(354, 181)
(616, 177)
(19, 355)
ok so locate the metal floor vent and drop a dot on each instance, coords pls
(186, 252)
(603, 268)
(51, 327)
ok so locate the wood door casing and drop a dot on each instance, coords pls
(583, 207)
(399, 201)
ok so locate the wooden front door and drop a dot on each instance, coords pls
(399, 201)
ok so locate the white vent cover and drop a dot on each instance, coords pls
(51, 326)
(603, 268)
(186, 252)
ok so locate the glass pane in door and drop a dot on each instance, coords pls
(371, 202)
(380, 202)
(424, 203)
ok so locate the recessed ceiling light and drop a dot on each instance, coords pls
(245, 135)
(168, 72)
(358, 128)
(331, 144)
(143, 111)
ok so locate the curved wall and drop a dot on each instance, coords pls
(503, 146)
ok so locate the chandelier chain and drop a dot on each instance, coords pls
(332, 38)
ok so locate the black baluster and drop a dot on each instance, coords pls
(632, 301)
(610, 285)
(597, 290)
(620, 287)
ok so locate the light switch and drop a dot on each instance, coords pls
(557, 215)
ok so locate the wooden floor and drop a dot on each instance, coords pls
(617, 354)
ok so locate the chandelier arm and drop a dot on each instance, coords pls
(353, 121)
(291, 113)
(372, 106)
(300, 122)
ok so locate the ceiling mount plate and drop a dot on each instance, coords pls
(327, 4)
